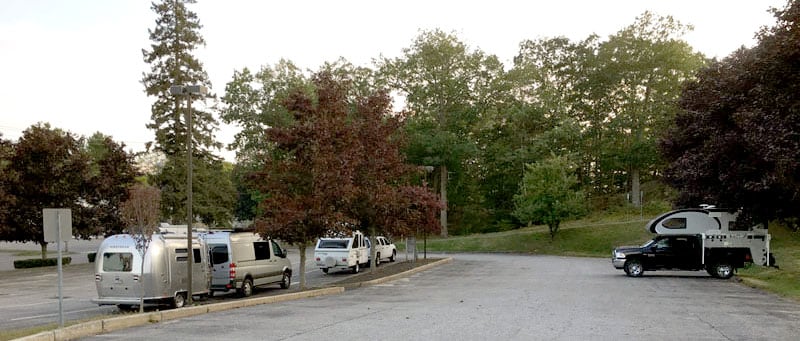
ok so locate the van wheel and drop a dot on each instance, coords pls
(723, 269)
(179, 300)
(633, 267)
(394, 254)
(356, 268)
(287, 280)
(247, 288)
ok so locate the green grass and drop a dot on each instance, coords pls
(596, 236)
(784, 281)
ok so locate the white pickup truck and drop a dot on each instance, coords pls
(342, 253)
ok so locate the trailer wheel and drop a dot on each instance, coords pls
(634, 268)
(325, 270)
(356, 268)
(125, 307)
(723, 269)
(287, 280)
(247, 288)
(179, 300)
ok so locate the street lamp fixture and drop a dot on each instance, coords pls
(188, 91)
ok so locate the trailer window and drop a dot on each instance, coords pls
(333, 244)
(261, 249)
(219, 254)
(675, 223)
(117, 261)
(196, 256)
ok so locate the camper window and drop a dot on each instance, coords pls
(117, 261)
(261, 249)
(675, 223)
(196, 256)
(333, 244)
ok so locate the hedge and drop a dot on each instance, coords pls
(38, 262)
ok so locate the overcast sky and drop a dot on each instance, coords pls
(77, 63)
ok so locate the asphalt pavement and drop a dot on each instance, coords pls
(508, 297)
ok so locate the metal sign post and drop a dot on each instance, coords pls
(57, 228)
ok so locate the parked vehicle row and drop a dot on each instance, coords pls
(352, 253)
(222, 261)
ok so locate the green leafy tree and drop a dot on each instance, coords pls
(448, 91)
(141, 212)
(170, 56)
(7, 181)
(49, 170)
(548, 193)
(638, 77)
(111, 173)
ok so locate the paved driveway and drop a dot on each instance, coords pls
(515, 297)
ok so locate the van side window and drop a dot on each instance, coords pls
(117, 261)
(261, 249)
(276, 249)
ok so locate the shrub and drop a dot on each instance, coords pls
(38, 262)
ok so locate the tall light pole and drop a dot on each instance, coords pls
(188, 91)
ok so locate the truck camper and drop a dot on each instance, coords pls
(120, 278)
(696, 239)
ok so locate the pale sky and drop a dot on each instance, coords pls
(77, 63)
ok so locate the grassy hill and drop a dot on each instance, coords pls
(597, 236)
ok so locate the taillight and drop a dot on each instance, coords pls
(344, 259)
(318, 259)
(233, 270)
(98, 277)
(747, 257)
(135, 278)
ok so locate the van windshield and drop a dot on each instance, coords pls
(333, 244)
(117, 261)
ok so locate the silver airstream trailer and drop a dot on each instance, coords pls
(120, 280)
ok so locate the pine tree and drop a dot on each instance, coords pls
(174, 38)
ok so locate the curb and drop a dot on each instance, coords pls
(121, 322)
(399, 275)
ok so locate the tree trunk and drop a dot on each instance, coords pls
(44, 250)
(373, 250)
(302, 248)
(553, 230)
(443, 191)
(636, 198)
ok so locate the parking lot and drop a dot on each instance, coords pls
(514, 297)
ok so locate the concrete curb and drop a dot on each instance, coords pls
(399, 275)
(116, 323)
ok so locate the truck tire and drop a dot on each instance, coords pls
(634, 268)
(723, 269)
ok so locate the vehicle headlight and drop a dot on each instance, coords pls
(619, 254)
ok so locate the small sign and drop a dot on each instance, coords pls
(56, 219)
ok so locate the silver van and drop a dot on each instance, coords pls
(243, 260)
(119, 278)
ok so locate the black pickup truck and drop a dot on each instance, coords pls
(680, 252)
